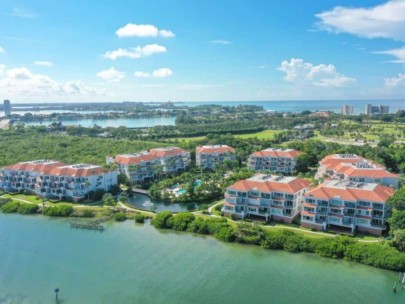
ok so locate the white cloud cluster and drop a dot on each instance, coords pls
(43, 63)
(2, 50)
(136, 52)
(111, 75)
(399, 54)
(21, 81)
(142, 30)
(395, 81)
(297, 70)
(386, 20)
(159, 73)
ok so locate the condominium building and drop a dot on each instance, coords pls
(266, 196)
(52, 179)
(379, 109)
(208, 157)
(347, 109)
(346, 205)
(7, 108)
(355, 168)
(274, 160)
(145, 166)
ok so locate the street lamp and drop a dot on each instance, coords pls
(56, 293)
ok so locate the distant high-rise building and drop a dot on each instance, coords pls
(384, 109)
(380, 109)
(7, 107)
(347, 110)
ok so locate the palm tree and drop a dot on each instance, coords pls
(158, 170)
(133, 169)
(87, 184)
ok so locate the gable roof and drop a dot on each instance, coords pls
(379, 194)
(292, 186)
(290, 153)
(215, 149)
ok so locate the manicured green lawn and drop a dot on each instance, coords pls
(266, 134)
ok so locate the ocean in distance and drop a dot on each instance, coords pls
(311, 105)
(135, 263)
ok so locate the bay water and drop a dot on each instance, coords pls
(135, 263)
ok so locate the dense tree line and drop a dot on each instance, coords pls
(380, 255)
(30, 144)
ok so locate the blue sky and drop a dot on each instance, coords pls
(210, 50)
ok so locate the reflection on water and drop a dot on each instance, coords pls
(144, 202)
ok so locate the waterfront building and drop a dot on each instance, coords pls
(209, 156)
(145, 166)
(347, 206)
(52, 179)
(355, 168)
(347, 109)
(267, 197)
(274, 160)
(379, 109)
(7, 108)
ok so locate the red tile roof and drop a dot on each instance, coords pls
(134, 159)
(32, 166)
(380, 194)
(215, 149)
(57, 168)
(347, 166)
(166, 152)
(77, 172)
(293, 186)
(277, 153)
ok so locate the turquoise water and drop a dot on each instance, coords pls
(118, 122)
(130, 263)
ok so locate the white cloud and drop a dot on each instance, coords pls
(297, 70)
(159, 73)
(43, 63)
(111, 75)
(136, 52)
(162, 73)
(386, 20)
(141, 74)
(2, 50)
(395, 81)
(142, 30)
(398, 53)
(21, 81)
(223, 42)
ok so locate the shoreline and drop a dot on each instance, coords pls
(289, 235)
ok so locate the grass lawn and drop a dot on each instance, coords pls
(30, 198)
(266, 134)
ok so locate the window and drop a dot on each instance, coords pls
(364, 204)
(362, 221)
(334, 219)
(308, 218)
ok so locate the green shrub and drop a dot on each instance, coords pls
(181, 221)
(139, 218)
(10, 207)
(120, 216)
(225, 233)
(59, 210)
(199, 226)
(377, 255)
(249, 234)
(27, 209)
(163, 220)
